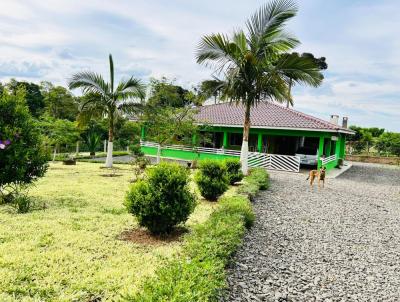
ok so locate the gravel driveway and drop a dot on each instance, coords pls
(338, 244)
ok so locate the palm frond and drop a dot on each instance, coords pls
(131, 88)
(217, 51)
(89, 82)
(271, 18)
(301, 70)
(131, 107)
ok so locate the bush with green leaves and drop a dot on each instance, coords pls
(163, 199)
(199, 273)
(233, 170)
(23, 158)
(258, 179)
(211, 179)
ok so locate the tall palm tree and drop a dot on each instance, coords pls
(108, 99)
(254, 64)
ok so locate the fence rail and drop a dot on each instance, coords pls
(328, 159)
(275, 161)
(269, 161)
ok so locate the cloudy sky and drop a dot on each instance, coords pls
(50, 40)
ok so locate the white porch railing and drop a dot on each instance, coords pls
(192, 149)
(328, 159)
(274, 161)
(269, 161)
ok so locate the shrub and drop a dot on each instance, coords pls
(233, 170)
(22, 203)
(22, 155)
(211, 179)
(163, 199)
(258, 179)
(199, 273)
(261, 177)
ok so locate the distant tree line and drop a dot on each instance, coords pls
(375, 141)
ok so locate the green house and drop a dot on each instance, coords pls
(280, 138)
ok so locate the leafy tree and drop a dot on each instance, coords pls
(22, 156)
(59, 102)
(108, 99)
(59, 132)
(395, 144)
(167, 124)
(166, 93)
(367, 139)
(255, 65)
(128, 134)
(34, 97)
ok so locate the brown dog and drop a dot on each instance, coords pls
(319, 174)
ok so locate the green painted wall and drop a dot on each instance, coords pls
(185, 155)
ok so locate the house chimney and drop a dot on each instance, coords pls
(345, 122)
(335, 119)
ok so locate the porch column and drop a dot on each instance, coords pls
(142, 133)
(320, 150)
(225, 140)
(259, 142)
(329, 147)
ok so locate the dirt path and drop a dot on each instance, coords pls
(338, 244)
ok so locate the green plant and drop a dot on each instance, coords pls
(233, 170)
(23, 158)
(22, 202)
(258, 179)
(199, 272)
(103, 97)
(162, 200)
(93, 140)
(211, 179)
(261, 177)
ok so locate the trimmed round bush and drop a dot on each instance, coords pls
(233, 170)
(211, 178)
(163, 199)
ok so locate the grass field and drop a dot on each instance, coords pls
(69, 248)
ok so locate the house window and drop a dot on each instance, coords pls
(235, 139)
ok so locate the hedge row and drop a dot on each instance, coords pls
(198, 274)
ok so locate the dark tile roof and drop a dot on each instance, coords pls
(264, 115)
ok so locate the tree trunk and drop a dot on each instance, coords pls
(244, 153)
(109, 159)
(290, 93)
(54, 154)
(77, 148)
(158, 154)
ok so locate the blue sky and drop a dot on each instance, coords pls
(50, 40)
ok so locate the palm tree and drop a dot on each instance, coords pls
(107, 99)
(255, 65)
(320, 62)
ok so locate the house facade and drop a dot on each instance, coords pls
(277, 136)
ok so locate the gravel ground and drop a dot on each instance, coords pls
(341, 243)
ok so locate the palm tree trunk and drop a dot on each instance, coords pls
(290, 93)
(244, 153)
(109, 159)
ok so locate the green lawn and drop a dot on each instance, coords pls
(68, 248)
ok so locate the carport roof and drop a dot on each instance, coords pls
(265, 115)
